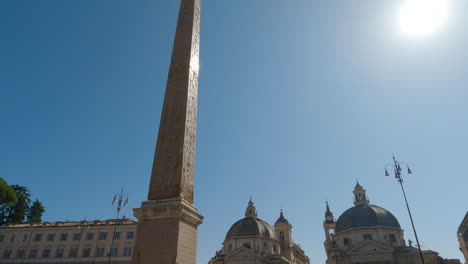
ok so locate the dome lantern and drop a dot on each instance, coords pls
(360, 196)
(251, 211)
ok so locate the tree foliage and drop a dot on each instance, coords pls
(7, 193)
(15, 205)
(35, 212)
(17, 212)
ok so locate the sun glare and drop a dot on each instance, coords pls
(422, 17)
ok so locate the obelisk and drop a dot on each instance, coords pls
(168, 221)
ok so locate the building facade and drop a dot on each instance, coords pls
(432, 257)
(463, 237)
(367, 233)
(68, 242)
(252, 240)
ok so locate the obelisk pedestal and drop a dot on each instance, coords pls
(166, 232)
(168, 221)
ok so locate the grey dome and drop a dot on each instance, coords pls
(363, 216)
(251, 227)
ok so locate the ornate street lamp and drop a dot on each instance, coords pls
(121, 200)
(396, 166)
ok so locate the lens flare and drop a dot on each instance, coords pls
(423, 17)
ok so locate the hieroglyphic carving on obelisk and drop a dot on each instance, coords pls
(173, 166)
(167, 226)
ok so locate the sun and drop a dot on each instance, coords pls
(422, 17)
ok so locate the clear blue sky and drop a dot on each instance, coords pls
(298, 99)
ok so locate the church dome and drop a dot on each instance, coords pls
(251, 227)
(365, 215)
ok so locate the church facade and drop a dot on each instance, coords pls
(367, 233)
(252, 240)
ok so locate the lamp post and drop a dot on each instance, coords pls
(396, 166)
(335, 247)
(121, 200)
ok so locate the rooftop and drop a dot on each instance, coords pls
(125, 221)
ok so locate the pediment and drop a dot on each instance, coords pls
(243, 253)
(370, 246)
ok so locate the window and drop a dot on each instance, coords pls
(46, 252)
(12, 238)
(73, 252)
(274, 248)
(2, 237)
(20, 253)
(63, 236)
(86, 252)
(367, 237)
(114, 251)
(76, 236)
(247, 245)
(346, 241)
(392, 238)
(117, 236)
(6, 253)
(32, 252)
(100, 252)
(128, 252)
(90, 236)
(51, 237)
(103, 236)
(38, 237)
(130, 235)
(25, 237)
(59, 252)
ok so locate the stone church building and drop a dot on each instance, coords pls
(367, 233)
(463, 237)
(252, 240)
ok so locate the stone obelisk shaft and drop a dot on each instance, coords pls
(167, 222)
(173, 166)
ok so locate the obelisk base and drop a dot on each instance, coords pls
(166, 232)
